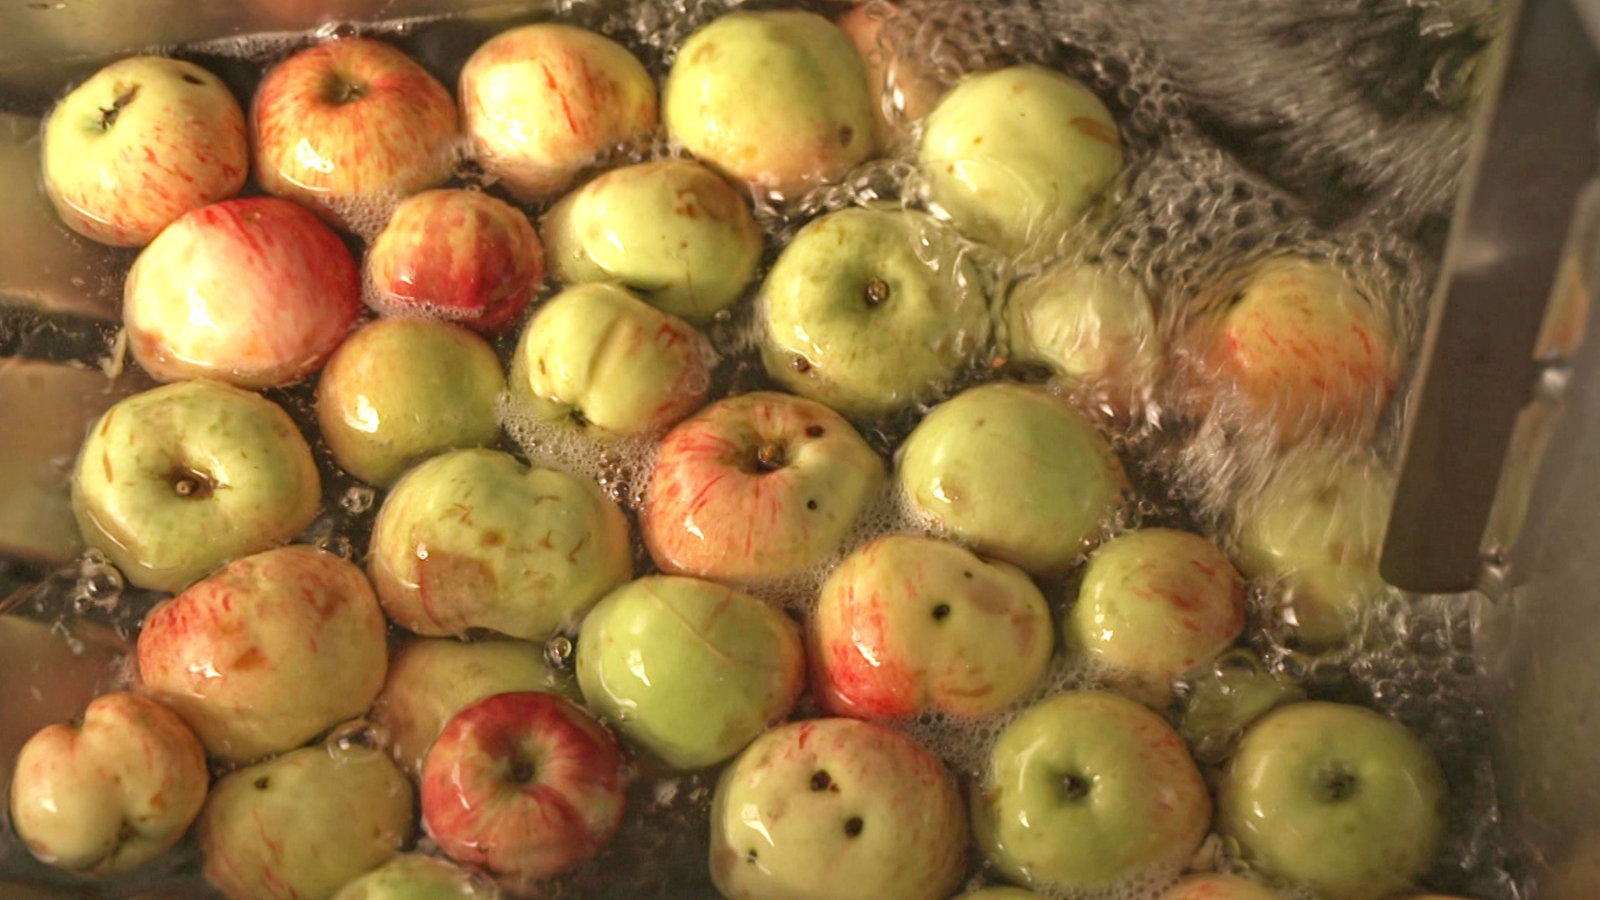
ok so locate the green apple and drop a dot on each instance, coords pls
(400, 390)
(1087, 790)
(595, 355)
(1015, 472)
(1000, 893)
(1014, 156)
(1336, 797)
(1152, 605)
(1317, 527)
(475, 539)
(671, 230)
(776, 98)
(1235, 690)
(837, 809)
(416, 877)
(689, 670)
(305, 823)
(1219, 886)
(175, 481)
(1087, 322)
(870, 310)
(909, 623)
(431, 679)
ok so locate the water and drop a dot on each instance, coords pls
(1253, 128)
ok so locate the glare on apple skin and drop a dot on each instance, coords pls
(141, 142)
(1014, 472)
(458, 255)
(689, 670)
(756, 487)
(305, 823)
(1336, 797)
(543, 102)
(416, 877)
(1014, 156)
(1090, 323)
(813, 120)
(671, 230)
(256, 292)
(869, 310)
(175, 481)
(350, 122)
(837, 809)
(1219, 886)
(1086, 790)
(399, 390)
(112, 793)
(475, 539)
(909, 623)
(524, 785)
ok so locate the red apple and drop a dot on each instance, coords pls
(523, 784)
(342, 125)
(906, 88)
(256, 292)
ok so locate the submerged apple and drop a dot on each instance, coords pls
(905, 84)
(1090, 323)
(416, 877)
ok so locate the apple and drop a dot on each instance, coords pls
(907, 87)
(416, 877)
(268, 652)
(523, 785)
(1015, 472)
(837, 809)
(689, 670)
(869, 310)
(757, 487)
(671, 230)
(1001, 893)
(475, 539)
(350, 123)
(141, 142)
(776, 98)
(305, 823)
(543, 102)
(1296, 350)
(1219, 886)
(112, 792)
(458, 255)
(1086, 790)
(1015, 156)
(1335, 797)
(1154, 604)
(1316, 526)
(431, 679)
(399, 390)
(1086, 322)
(908, 623)
(256, 292)
(51, 671)
(1225, 697)
(595, 355)
(174, 481)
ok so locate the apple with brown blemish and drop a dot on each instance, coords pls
(268, 652)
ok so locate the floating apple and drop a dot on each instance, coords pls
(595, 355)
(415, 877)
(256, 292)
(400, 390)
(175, 481)
(1086, 790)
(671, 230)
(1015, 472)
(756, 487)
(305, 823)
(1335, 797)
(268, 652)
(869, 311)
(524, 785)
(1219, 886)
(344, 125)
(1225, 697)
(776, 98)
(906, 86)
(50, 672)
(543, 102)
(141, 142)
(909, 623)
(837, 809)
(1152, 605)
(111, 793)
(1014, 156)
(1090, 322)
(475, 539)
(689, 670)
(458, 255)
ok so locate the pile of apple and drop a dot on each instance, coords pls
(198, 488)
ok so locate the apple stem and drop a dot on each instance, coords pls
(769, 457)
(192, 484)
(1074, 787)
(108, 117)
(877, 291)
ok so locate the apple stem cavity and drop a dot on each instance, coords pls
(1074, 788)
(342, 91)
(769, 457)
(108, 117)
(1336, 784)
(877, 292)
(193, 484)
